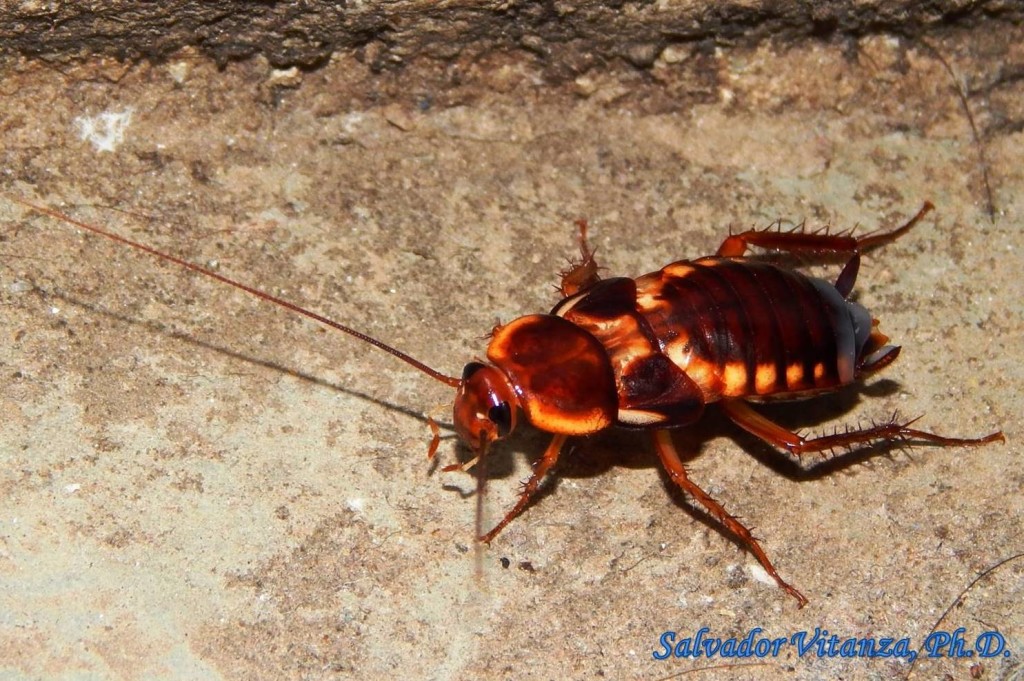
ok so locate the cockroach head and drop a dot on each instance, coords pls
(486, 406)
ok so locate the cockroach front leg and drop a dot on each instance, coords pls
(581, 273)
(891, 432)
(540, 469)
(435, 438)
(674, 466)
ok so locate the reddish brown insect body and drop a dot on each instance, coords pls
(652, 353)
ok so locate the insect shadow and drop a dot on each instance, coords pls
(591, 457)
(159, 328)
(595, 456)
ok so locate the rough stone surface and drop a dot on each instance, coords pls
(196, 484)
(573, 35)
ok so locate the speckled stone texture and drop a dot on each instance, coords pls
(198, 485)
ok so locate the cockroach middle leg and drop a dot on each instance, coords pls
(581, 273)
(540, 469)
(891, 432)
(677, 472)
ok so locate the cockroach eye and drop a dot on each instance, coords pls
(485, 406)
(501, 416)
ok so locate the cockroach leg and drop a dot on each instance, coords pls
(677, 472)
(891, 432)
(586, 252)
(461, 467)
(435, 440)
(580, 274)
(540, 469)
(880, 238)
(736, 245)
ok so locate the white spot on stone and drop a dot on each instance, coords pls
(179, 71)
(351, 121)
(291, 77)
(760, 574)
(356, 505)
(106, 131)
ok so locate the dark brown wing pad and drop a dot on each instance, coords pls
(657, 387)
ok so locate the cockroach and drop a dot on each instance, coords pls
(653, 353)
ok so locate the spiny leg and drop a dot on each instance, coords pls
(674, 466)
(735, 245)
(892, 431)
(540, 469)
(581, 273)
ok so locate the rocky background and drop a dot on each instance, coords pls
(197, 484)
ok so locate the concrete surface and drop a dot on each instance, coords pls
(198, 485)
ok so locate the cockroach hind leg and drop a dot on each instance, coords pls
(893, 431)
(677, 472)
(880, 238)
(540, 469)
(802, 241)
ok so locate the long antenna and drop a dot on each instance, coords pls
(448, 380)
